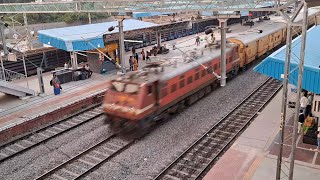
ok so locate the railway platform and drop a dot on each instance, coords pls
(24, 115)
(254, 154)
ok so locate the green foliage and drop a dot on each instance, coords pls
(47, 18)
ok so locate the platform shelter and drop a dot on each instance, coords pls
(85, 37)
(273, 66)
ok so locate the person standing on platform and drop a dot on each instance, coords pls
(318, 138)
(56, 84)
(131, 63)
(88, 70)
(135, 64)
(301, 120)
(308, 109)
(308, 124)
(143, 55)
(137, 57)
(198, 40)
(304, 103)
(66, 66)
(133, 51)
(148, 56)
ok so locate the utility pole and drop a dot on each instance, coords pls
(299, 87)
(285, 93)
(284, 99)
(25, 22)
(121, 45)
(223, 62)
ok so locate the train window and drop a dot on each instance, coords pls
(164, 92)
(173, 88)
(189, 81)
(215, 67)
(181, 77)
(182, 83)
(197, 69)
(196, 76)
(124, 87)
(150, 89)
(203, 73)
(164, 85)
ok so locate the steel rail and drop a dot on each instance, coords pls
(43, 129)
(215, 127)
(53, 170)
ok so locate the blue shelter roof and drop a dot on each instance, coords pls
(75, 38)
(148, 14)
(274, 64)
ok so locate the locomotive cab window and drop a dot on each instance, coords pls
(124, 87)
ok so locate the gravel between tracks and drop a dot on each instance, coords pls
(147, 157)
(46, 156)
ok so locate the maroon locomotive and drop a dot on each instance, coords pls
(164, 86)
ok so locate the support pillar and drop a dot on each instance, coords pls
(25, 21)
(299, 88)
(223, 80)
(121, 46)
(5, 49)
(3, 70)
(89, 17)
(25, 69)
(40, 79)
(158, 35)
(74, 60)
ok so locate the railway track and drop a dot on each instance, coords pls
(87, 161)
(205, 151)
(31, 140)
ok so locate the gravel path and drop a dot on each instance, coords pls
(149, 155)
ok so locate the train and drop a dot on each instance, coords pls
(140, 98)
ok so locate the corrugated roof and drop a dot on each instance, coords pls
(149, 14)
(74, 38)
(274, 64)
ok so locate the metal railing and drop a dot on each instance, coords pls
(8, 75)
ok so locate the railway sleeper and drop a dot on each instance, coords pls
(184, 167)
(186, 172)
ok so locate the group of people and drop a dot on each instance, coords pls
(134, 59)
(55, 82)
(306, 121)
